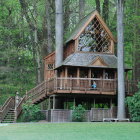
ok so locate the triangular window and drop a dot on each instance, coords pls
(94, 38)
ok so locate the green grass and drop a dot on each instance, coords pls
(71, 131)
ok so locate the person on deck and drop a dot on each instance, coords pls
(94, 85)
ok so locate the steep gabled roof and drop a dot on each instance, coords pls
(83, 24)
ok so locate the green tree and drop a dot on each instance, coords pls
(133, 104)
(78, 113)
(31, 112)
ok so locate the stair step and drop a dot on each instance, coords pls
(7, 122)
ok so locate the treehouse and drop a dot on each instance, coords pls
(88, 72)
(87, 75)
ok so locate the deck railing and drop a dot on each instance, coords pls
(86, 84)
(79, 84)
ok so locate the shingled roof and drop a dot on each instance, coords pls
(86, 59)
(79, 26)
(86, 20)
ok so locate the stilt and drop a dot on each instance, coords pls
(49, 104)
(53, 101)
(74, 102)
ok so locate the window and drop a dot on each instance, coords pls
(50, 66)
(94, 38)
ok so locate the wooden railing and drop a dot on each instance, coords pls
(37, 91)
(18, 108)
(81, 84)
(58, 84)
(10, 103)
(105, 85)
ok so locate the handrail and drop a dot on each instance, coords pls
(18, 108)
(6, 103)
(6, 107)
(2, 107)
(74, 78)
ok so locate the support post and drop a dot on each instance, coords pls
(53, 101)
(66, 76)
(49, 104)
(78, 76)
(89, 76)
(74, 102)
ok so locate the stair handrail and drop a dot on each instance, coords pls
(9, 103)
(18, 108)
(34, 91)
(2, 107)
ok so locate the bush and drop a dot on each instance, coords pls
(31, 112)
(133, 104)
(78, 113)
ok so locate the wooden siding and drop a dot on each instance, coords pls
(50, 59)
(69, 49)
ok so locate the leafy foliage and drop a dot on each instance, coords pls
(78, 113)
(31, 112)
(133, 104)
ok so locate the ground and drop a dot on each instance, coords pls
(70, 131)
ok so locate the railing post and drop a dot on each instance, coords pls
(15, 111)
(45, 86)
(56, 83)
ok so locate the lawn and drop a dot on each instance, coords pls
(70, 131)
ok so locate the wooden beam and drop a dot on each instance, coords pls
(89, 76)
(53, 101)
(49, 104)
(112, 46)
(78, 76)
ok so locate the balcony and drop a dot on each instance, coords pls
(85, 86)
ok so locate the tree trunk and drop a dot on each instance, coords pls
(37, 47)
(49, 32)
(98, 8)
(66, 16)
(59, 32)
(120, 52)
(105, 11)
(81, 9)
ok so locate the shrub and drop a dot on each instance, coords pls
(31, 112)
(78, 113)
(133, 104)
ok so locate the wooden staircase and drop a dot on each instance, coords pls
(9, 117)
(7, 111)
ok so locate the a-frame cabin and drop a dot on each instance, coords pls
(88, 73)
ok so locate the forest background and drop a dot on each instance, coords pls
(27, 35)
